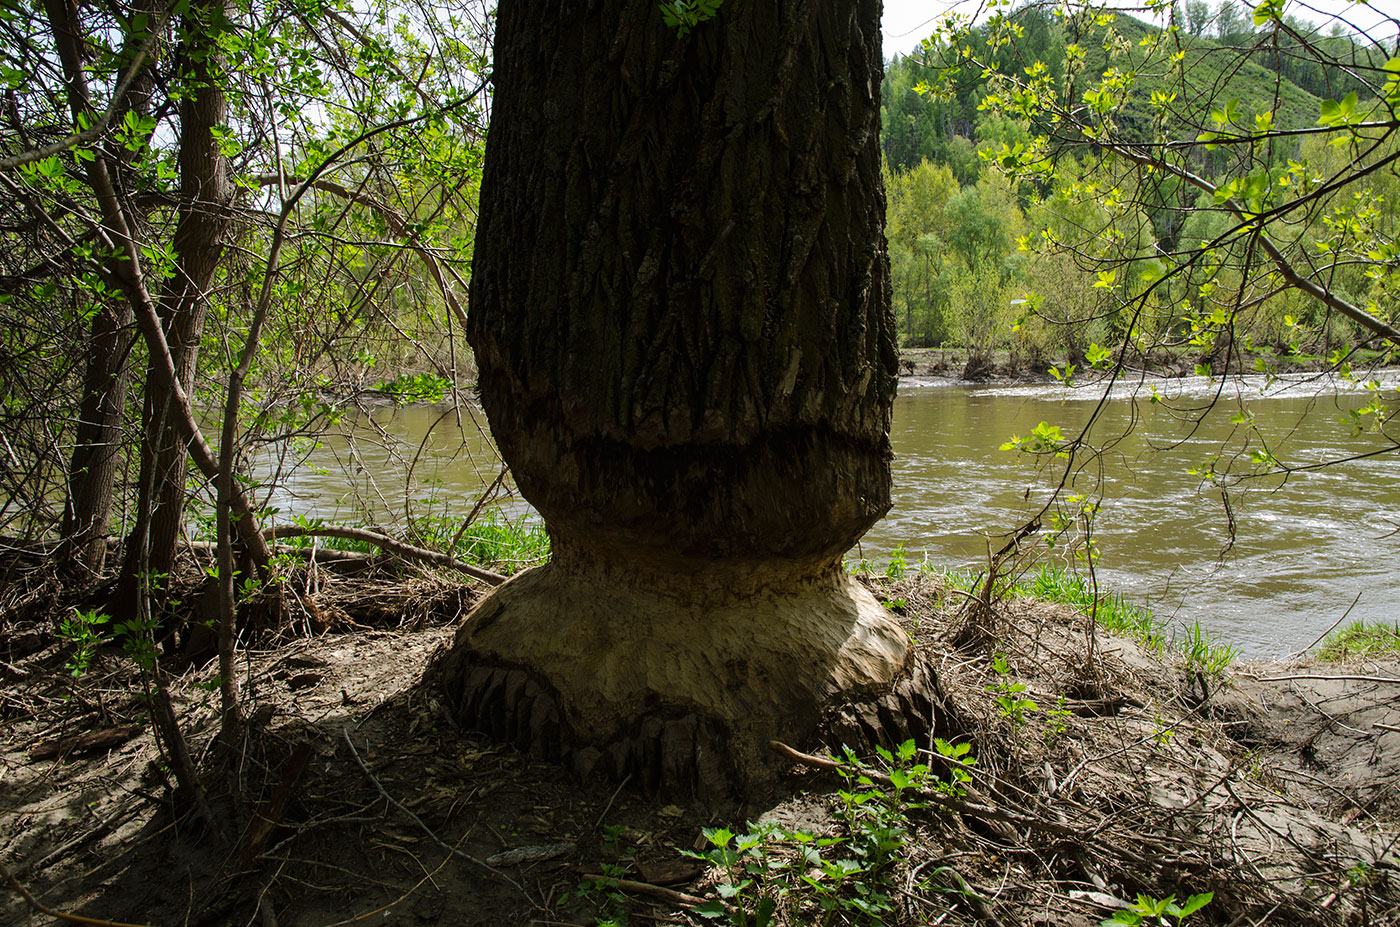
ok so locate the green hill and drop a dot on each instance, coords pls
(1261, 73)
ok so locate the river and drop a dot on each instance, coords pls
(1305, 548)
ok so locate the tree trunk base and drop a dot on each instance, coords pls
(684, 689)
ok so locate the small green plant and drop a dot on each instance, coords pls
(1155, 913)
(614, 837)
(749, 892)
(1202, 654)
(138, 640)
(1056, 723)
(848, 879)
(685, 15)
(898, 564)
(607, 900)
(82, 631)
(959, 758)
(1008, 699)
(1164, 731)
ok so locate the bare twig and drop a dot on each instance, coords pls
(345, 733)
(1319, 638)
(1392, 680)
(646, 888)
(393, 545)
(50, 912)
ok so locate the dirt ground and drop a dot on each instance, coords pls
(354, 797)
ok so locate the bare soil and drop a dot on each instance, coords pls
(1276, 791)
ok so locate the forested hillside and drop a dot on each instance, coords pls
(970, 210)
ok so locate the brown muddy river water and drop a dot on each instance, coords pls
(1305, 548)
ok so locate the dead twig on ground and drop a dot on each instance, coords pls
(345, 733)
(646, 888)
(392, 545)
(45, 910)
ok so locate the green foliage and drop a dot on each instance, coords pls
(1152, 912)
(603, 895)
(373, 253)
(137, 636)
(81, 630)
(749, 892)
(1113, 611)
(1044, 438)
(1091, 116)
(1008, 699)
(1056, 723)
(960, 760)
(685, 15)
(1361, 639)
(491, 540)
(770, 874)
(416, 387)
(1203, 654)
(898, 564)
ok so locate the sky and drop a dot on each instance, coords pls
(908, 21)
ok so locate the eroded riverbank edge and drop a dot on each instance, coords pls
(1274, 790)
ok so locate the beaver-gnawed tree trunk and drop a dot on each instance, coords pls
(680, 311)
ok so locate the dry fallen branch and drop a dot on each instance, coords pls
(424, 827)
(646, 888)
(85, 743)
(392, 545)
(50, 912)
(1392, 680)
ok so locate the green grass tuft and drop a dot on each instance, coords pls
(1361, 638)
(1115, 613)
(1198, 649)
(492, 540)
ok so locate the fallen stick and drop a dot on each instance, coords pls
(269, 814)
(1289, 678)
(345, 733)
(646, 888)
(85, 743)
(392, 545)
(58, 915)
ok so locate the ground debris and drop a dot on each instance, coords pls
(357, 798)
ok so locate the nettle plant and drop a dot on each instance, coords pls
(771, 874)
(1152, 912)
(685, 15)
(1009, 699)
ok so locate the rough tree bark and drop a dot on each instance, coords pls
(680, 310)
(97, 441)
(98, 437)
(206, 194)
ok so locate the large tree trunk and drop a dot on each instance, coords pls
(97, 441)
(206, 194)
(99, 436)
(681, 314)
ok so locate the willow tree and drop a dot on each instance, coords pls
(680, 311)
